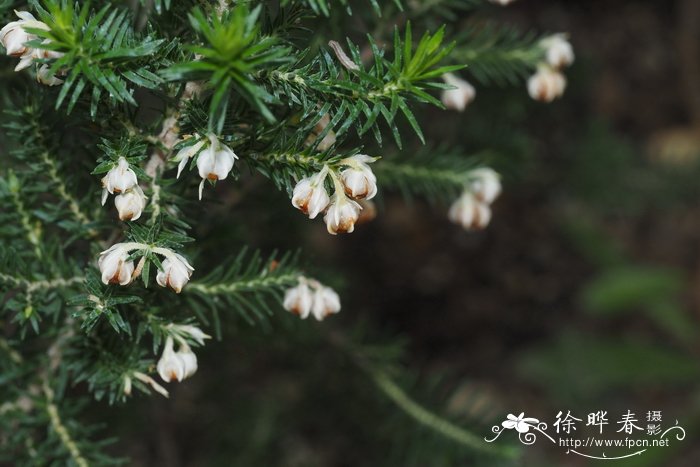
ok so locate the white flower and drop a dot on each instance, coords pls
(193, 332)
(43, 76)
(299, 299)
(325, 302)
(469, 212)
(558, 51)
(119, 179)
(184, 155)
(342, 214)
(114, 266)
(171, 366)
(176, 272)
(486, 184)
(310, 196)
(358, 179)
(458, 98)
(215, 162)
(546, 85)
(189, 359)
(13, 36)
(130, 204)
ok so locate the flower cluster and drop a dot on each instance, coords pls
(460, 96)
(472, 210)
(14, 38)
(121, 180)
(548, 82)
(214, 159)
(354, 182)
(311, 297)
(178, 365)
(117, 267)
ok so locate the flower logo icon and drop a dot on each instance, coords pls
(521, 424)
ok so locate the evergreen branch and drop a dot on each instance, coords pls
(60, 428)
(497, 54)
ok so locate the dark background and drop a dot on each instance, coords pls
(581, 295)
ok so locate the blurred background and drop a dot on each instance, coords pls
(581, 295)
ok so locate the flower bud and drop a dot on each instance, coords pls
(171, 366)
(215, 162)
(176, 272)
(114, 266)
(469, 212)
(13, 36)
(358, 179)
(486, 185)
(342, 214)
(298, 300)
(546, 85)
(558, 51)
(130, 204)
(119, 178)
(325, 302)
(310, 196)
(458, 98)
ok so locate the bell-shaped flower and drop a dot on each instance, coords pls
(558, 51)
(342, 214)
(188, 358)
(459, 97)
(299, 299)
(310, 195)
(171, 366)
(176, 272)
(546, 85)
(325, 302)
(186, 153)
(469, 212)
(130, 204)
(215, 162)
(358, 179)
(114, 265)
(119, 179)
(13, 36)
(485, 184)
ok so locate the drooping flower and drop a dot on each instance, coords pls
(458, 98)
(186, 153)
(469, 212)
(215, 162)
(114, 265)
(358, 179)
(342, 214)
(310, 297)
(325, 302)
(485, 184)
(189, 359)
(558, 51)
(546, 85)
(176, 272)
(14, 36)
(299, 299)
(130, 204)
(119, 179)
(171, 366)
(310, 195)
